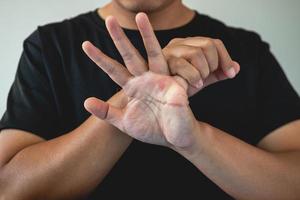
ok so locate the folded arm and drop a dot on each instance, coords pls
(268, 171)
(67, 167)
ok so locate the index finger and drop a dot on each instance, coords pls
(116, 71)
(227, 64)
(156, 59)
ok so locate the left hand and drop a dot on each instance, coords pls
(157, 110)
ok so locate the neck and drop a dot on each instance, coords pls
(174, 15)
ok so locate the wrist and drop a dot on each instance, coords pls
(200, 135)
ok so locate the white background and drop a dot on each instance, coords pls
(277, 21)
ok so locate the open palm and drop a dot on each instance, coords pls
(157, 109)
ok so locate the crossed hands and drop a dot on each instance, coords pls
(155, 107)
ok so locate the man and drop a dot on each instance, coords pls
(236, 138)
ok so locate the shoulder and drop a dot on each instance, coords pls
(244, 45)
(65, 31)
(78, 22)
(219, 28)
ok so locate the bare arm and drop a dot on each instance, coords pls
(240, 169)
(66, 167)
(159, 110)
(245, 171)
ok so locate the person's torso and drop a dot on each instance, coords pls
(148, 170)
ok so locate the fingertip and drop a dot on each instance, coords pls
(109, 17)
(237, 67)
(114, 28)
(233, 70)
(230, 73)
(199, 84)
(88, 103)
(85, 44)
(96, 107)
(141, 18)
(110, 21)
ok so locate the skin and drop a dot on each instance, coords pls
(148, 115)
(174, 13)
(55, 173)
(160, 104)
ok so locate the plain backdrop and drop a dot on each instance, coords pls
(277, 21)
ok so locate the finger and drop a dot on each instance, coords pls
(117, 72)
(208, 49)
(219, 75)
(184, 69)
(192, 54)
(104, 111)
(198, 59)
(181, 81)
(211, 55)
(156, 60)
(132, 58)
(225, 60)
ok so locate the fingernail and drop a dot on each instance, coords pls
(230, 73)
(199, 84)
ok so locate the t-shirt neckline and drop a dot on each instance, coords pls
(189, 26)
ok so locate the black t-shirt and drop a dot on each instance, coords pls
(54, 77)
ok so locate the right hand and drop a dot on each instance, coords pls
(201, 61)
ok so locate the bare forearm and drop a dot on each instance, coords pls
(65, 167)
(242, 170)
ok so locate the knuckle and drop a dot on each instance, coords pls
(218, 42)
(198, 52)
(214, 65)
(208, 42)
(167, 51)
(212, 58)
(199, 38)
(205, 72)
(178, 62)
(153, 53)
(214, 68)
(110, 69)
(198, 56)
(127, 55)
(175, 40)
(204, 68)
(199, 61)
(195, 77)
(173, 64)
(98, 60)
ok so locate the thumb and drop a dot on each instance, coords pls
(232, 71)
(104, 111)
(236, 67)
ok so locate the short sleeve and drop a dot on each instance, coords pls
(30, 104)
(278, 102)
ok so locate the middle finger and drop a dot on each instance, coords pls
(134, 62)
